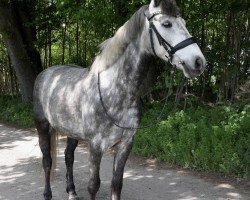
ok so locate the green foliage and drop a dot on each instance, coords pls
(14, 111)
(215, 139)
(70, 31)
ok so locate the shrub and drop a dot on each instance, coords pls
(16, 112)
(215, 139)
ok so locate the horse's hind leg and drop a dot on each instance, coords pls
(118, 169)
(95, 157)
(69, 161)
(43, 128)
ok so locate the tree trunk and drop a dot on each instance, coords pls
(50, 46)
(203, 78)
(19, 38)
(77, 42)
(11, 78)
(64, 30)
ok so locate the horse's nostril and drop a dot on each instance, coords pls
(198, 63)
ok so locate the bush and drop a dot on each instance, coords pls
(14, 111)
(215, 139)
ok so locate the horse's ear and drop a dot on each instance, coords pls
(157, 3)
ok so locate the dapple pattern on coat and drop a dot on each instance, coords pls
(66, 98)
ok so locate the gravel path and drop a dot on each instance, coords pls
(20, 175)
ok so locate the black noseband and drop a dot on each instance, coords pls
(168, 47)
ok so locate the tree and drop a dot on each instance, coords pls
(69, 31)
(19, 36)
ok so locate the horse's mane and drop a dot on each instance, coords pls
(114, 47)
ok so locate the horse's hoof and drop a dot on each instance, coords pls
(73, 196)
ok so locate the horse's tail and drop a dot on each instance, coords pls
(53, 151)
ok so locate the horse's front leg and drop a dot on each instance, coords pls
(69, 161)
(120, 159)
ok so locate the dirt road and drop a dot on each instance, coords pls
(20, 176)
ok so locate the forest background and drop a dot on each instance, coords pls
(209, 128)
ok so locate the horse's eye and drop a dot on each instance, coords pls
(167, 24)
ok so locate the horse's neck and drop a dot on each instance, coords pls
(130, 70)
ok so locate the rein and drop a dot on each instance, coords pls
(172, 73)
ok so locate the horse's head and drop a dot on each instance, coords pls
(170, 40)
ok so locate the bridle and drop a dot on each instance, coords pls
(171, 50)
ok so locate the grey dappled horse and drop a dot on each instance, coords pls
(66, 98)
